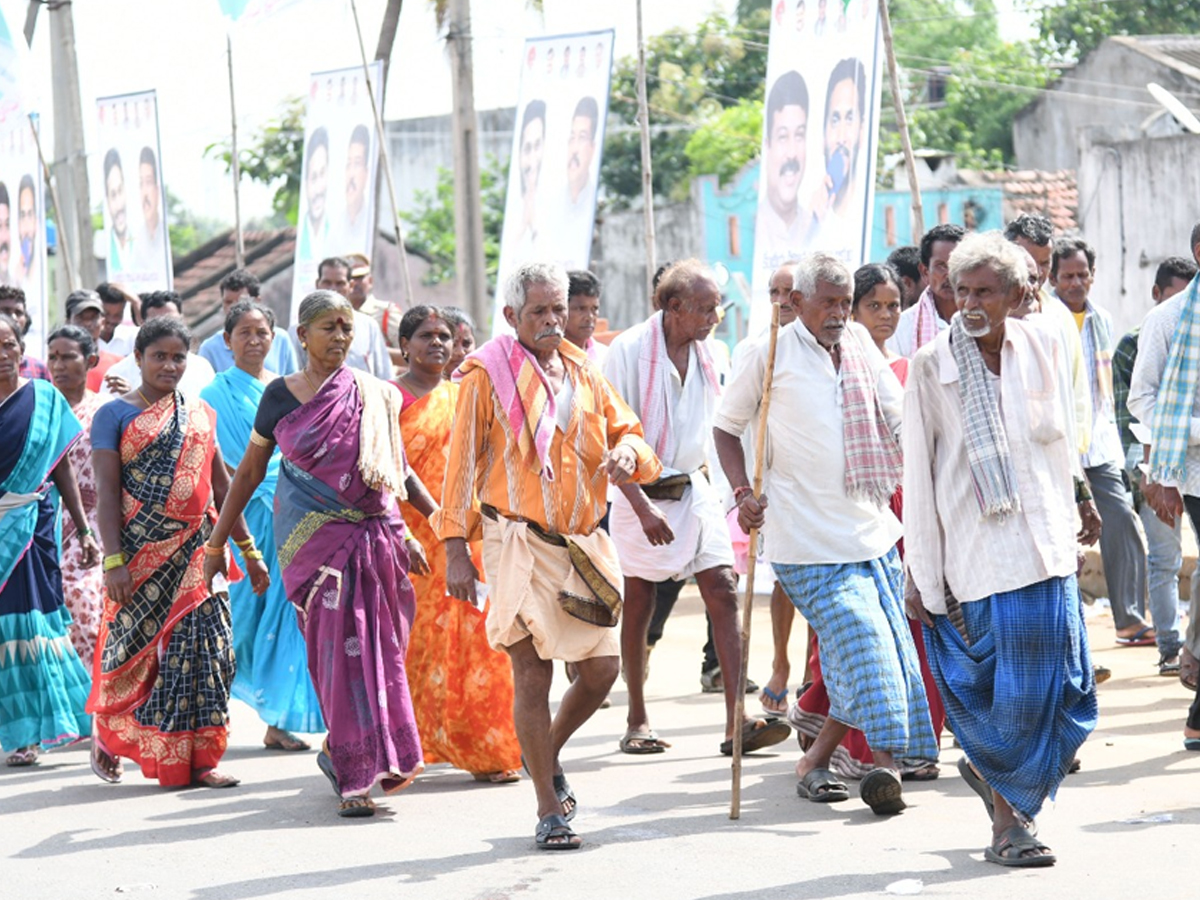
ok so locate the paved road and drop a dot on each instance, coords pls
(654, 827)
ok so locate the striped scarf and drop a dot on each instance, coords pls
(525, 398)
(873, 461)
(654, 378)
(1097, 346)
(987, 444)
(1177, 394)
(927, 321)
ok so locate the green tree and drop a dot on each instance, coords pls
(1073, 27)
(430, 223)
(692, 76)
(273, 157)
(186, 229)
(723, 145)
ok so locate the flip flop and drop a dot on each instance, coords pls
(642, 743)
(1143, 637)
(562, 790)
(822, 786)
(758, 734)
(503, 776)
(1008, 846)
(779, 698)
(325, 764)
(26, 756)
(978, 785)
(289, 744)
(1189, 669)
(214, 779)
(881, 790)
(553, 833)
(356, 807)
(927, 772)
(1191, 743)
(112, 776)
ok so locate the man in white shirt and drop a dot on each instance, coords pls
(583, 311)
(1072, 270)
(665, 371)
(1165, 375)
(832, 463)
(368, 349)
(126, 375)
(116, 335)
(931, 314)
(989, 522)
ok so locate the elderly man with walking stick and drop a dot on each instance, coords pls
(832, 462)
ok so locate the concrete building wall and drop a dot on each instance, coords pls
(1137, 206)
(418, 147)
(619, 255)
(1105, 94)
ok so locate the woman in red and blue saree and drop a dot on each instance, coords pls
(43, 685)
(164, 660)
(272, 670)
(343, 548)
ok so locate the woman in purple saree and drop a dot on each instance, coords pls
(344, 551)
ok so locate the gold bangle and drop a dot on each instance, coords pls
(210, 550)
(258, 440)
(247, 544)
(115, 561)
(252, 554)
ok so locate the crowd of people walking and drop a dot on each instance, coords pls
(368, 526)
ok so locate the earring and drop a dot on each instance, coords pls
(304, 345)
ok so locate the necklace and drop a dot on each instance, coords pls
(304, 372)
(144, 398)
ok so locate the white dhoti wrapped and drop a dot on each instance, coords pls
(701, 535)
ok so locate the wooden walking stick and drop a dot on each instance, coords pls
(760, 444)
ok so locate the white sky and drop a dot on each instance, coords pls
(178, 48)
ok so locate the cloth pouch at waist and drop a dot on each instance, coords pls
(596, 598)
(671, 487)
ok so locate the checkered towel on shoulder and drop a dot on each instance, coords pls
(1171, 427)
(873, 460)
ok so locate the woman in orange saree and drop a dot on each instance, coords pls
(164, 658)
(462, 689)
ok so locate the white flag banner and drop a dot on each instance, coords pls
(820, 130)
(23, 225)
(341, 156)
(550, 208)
(137, 243)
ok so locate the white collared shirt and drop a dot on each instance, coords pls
(904, 340)
(810, 518)
(1154, 347)
(948, 543)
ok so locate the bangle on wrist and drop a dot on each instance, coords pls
(115, 561)
(247, 544)
(83, 532)
(210, 550)
(1082, 492)
(740, 492)
(252, 553)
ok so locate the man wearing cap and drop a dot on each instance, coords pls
(362, 296)
(86, 309)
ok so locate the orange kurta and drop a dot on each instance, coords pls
(462, 689)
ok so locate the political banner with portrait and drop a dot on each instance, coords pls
(558, 136)
(23, 224)
(22, 198)
(825, 67)
(136, 240)
(337, 178)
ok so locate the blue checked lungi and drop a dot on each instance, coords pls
(1021, 698)
(868, 658)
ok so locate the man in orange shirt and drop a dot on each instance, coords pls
(537, 430)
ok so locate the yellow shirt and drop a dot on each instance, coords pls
(484, 457)
(1079, 317)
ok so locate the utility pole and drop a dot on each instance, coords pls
(70, 161)
(468, 211)
(647, 172)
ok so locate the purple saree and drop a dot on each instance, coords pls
(341, 551)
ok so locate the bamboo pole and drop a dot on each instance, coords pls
(239, 246)
(647, 172)
(385, 162)
(64, 242)
(760, 448)
(910, 162)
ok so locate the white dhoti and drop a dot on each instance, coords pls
(527, 575)
(701, 535)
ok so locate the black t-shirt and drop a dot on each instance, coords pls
(277, 401)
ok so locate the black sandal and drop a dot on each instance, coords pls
(553, 833)
(1011, 843)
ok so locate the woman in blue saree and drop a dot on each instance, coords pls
(43, 685)
(272, 662)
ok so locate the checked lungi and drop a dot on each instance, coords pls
(1020, 696)
(870, 663)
